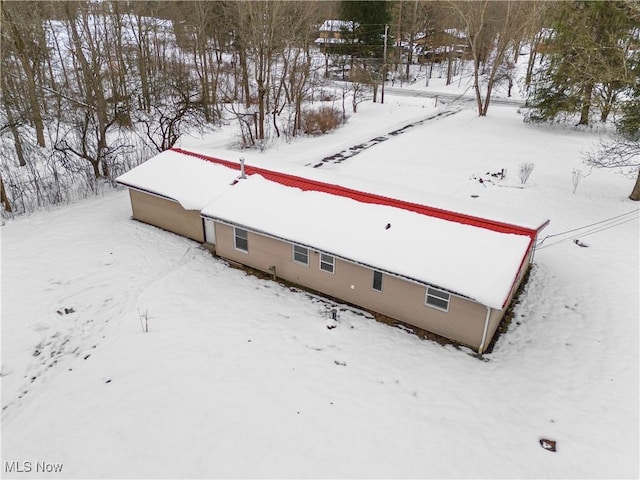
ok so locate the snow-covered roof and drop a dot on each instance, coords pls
(338, 26)
(321, 40)
(472, 256)
(479, 263)
(455, 32)
(186, 179)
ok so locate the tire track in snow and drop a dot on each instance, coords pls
(356, 149)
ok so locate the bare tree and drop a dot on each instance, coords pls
(4, 200)
(359, 85)
(115, 26)
(260, 25)
(204, 18)
(85, 125)
(298, 59)
(23, 37)
(538, 45)
(272, 48)
(493, 29)
(416, 19)
(12, 125)
(173, 111)
(618, 152)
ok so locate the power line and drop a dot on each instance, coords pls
(591, 225)
(591, 228)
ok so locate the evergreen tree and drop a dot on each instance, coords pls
(588, 60)
(629, 123)
(370, 18)
(366, 39)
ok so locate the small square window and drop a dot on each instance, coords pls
(327, 263)
(301, 254)
(241, 239)
(437, 299)
(377, 281)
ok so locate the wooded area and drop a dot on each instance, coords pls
(90, 89)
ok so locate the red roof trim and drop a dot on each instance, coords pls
(365, 197)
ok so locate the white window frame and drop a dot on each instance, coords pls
(295, 246)
(437, 295)
(238, 234)
(331, 263)
(373, 281)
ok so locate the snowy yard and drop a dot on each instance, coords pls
(239, 377)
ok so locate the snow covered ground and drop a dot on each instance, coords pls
(240, 377)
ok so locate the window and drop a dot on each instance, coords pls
(241, 239)
(437, 299)
(301, 254)
(327, 263)
(377, 281)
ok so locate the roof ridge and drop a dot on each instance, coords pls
(372, 198)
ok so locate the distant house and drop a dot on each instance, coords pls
(331, 36)
(445, 272)
(438, 45)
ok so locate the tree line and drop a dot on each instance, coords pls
(90, 89)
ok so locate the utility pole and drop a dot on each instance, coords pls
(384, 62)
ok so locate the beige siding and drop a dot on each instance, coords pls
(494, 321)
(166, 214)
(399, 299)
(496, 315)
(520, 276)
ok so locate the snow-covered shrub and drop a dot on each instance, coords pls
(524, 171)
(317, 122)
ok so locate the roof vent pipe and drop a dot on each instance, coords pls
(242, 175)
